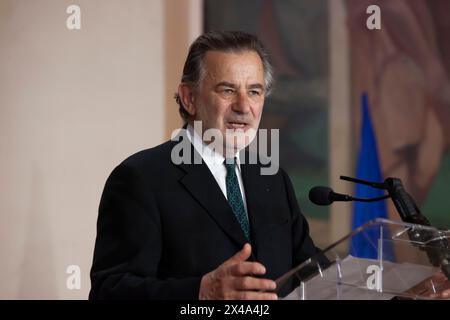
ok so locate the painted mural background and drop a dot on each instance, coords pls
(296, 34)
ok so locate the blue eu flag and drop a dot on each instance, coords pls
(365, 245)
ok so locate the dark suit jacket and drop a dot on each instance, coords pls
(162, 226)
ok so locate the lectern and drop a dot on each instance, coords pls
(381, 260)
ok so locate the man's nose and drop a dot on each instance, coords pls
(242, 103)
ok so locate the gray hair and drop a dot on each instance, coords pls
(224, 41)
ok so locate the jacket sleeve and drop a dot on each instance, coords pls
(129, 245)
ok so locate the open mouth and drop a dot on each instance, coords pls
(236, 125)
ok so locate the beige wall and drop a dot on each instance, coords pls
(183, 22)
(73, 104)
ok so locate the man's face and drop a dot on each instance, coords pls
(231, 95)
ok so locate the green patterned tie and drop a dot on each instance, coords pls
(234, 196)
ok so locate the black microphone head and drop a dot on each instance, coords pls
(321, 196)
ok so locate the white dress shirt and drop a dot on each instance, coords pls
(214, 161)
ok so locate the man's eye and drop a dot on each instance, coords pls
(254, 93)
(228, 91)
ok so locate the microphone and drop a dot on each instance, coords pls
(324, 196)
(437, 247)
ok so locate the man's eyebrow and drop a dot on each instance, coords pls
(232, 85)
(225, 84)
(256, 86)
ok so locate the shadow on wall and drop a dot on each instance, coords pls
(37, 272)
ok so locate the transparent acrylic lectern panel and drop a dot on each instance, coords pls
(380, 260)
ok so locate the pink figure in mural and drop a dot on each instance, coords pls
(405, 69)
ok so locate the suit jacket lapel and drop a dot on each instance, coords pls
(201, 184)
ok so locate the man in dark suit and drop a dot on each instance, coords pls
(218, 229)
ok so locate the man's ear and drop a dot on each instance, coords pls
(187, 98)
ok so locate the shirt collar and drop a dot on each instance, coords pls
(211, 158)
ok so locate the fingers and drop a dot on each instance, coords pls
(251, 283)
(246, 268)
(234, 279)
(443, 295)
(251, 295)
(238, 266)
(242, 255)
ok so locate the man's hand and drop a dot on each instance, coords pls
(435, 287)
(234, 280)
(441, 284)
